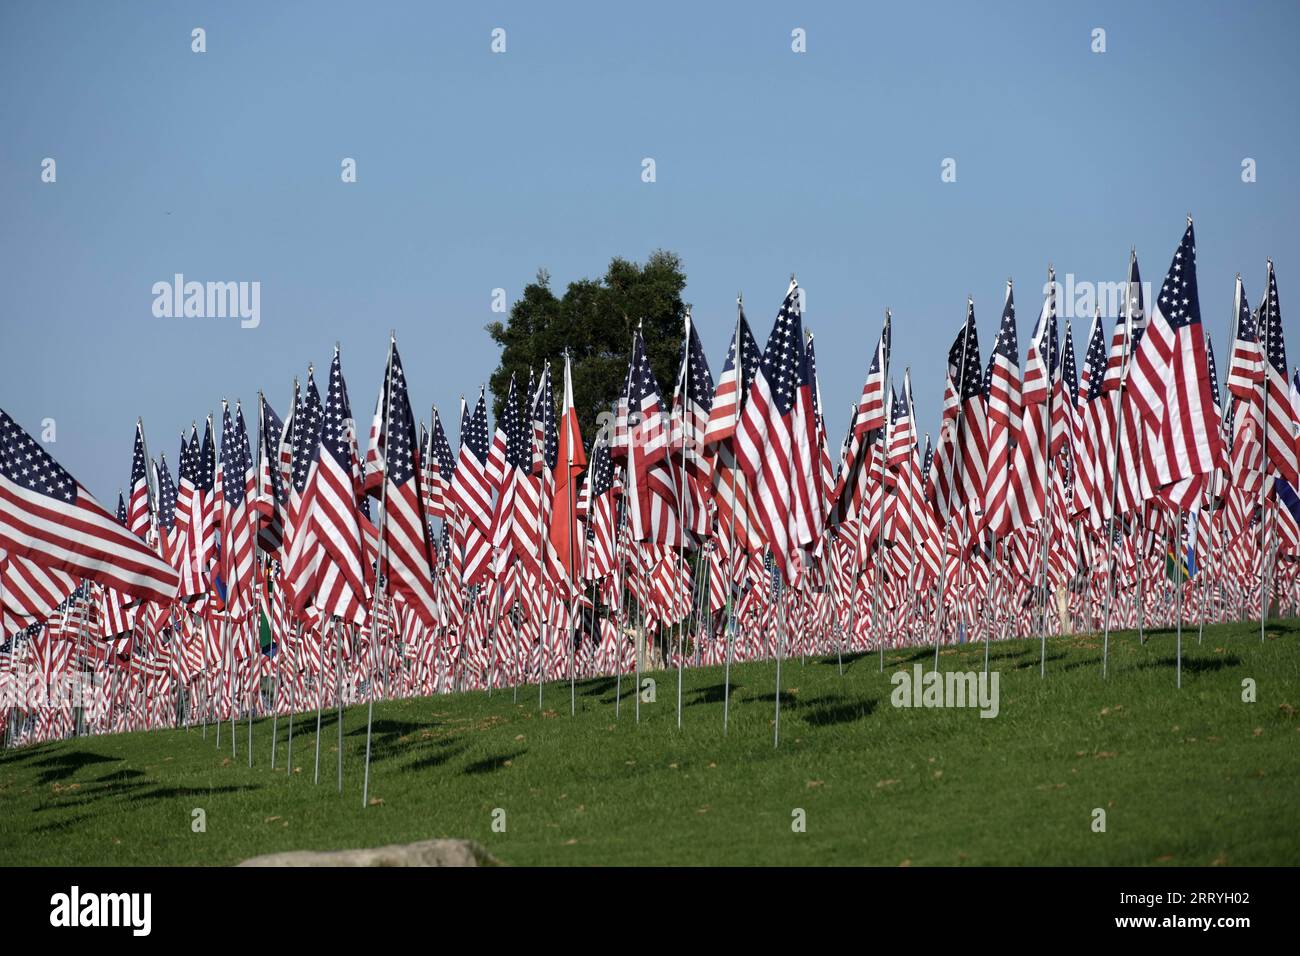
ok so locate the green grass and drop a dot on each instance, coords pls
(1186, 777)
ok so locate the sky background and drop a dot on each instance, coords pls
(475, 169)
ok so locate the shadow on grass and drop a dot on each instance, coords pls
(713, 694)
(594, 688)
(54, 826)
(1192, 665)
(64, 765)
(850, 657)
(1036, 661)
(787, 699)
(388, 728)
(445, 753)
(1074, 665)
(116, 776)
(24, 754)
(136, 792)
(825, 712)
(492, 763)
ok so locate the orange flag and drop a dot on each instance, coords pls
(571, 461)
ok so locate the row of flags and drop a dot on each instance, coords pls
(385, 559)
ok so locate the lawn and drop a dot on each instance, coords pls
(1193, 776)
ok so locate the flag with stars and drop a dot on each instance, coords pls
(408, 546)
(138, 496)
(743, 358)
(471, 488)
(327, 564)
(692, 404)
(871, 406)
(1004, 411)
(48, 517)
(1171, 384)
(652, 491)
(776, 437)
(1279, 420)
(1042, 427)
(272, 496)
(237, 517)
(440, 465)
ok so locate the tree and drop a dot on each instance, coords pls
(595, 320)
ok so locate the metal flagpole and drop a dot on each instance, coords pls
(293, 689)
(729, 633)
(320, 698)
(569, 519)
(948, 468)
(778, 589)
(677, 429)
(1178, 570)
(857, 557)
(1263, 485)
(1214, 483)
(888, 404)
(338, 689)
(379, 568)
(640, 632)
(1115, 444)
(1046, 526)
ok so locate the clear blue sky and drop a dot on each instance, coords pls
(474, 169)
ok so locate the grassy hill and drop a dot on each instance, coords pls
(1186, 777)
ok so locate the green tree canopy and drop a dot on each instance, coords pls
(595, 320)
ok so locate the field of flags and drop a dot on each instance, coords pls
(300, 563)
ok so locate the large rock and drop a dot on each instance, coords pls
(424, 853)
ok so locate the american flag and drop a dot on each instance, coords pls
(871, 406)
(408, 548)
(692, 405)
(49, 518)
(30, 592)
(139, 500)
(1280, 424)
(187, 558)
(272, 495)
(330, 569)
(826, 472)
(470, 486)
(1171, 381)
(1246, 363)
(209, 507)
(517, 463)
(601, 511)
(958, 468)
(776, 438)
(730, 487)
(651, 489)
(305, 436)
(743, 358)
(1093, 483)
(1004, 404)
(1128, 328)
(471, 489)
(1043, 408)
(237, 517)
(439, 465)
(1136, 473)
(167, 498)
(1069, 405)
